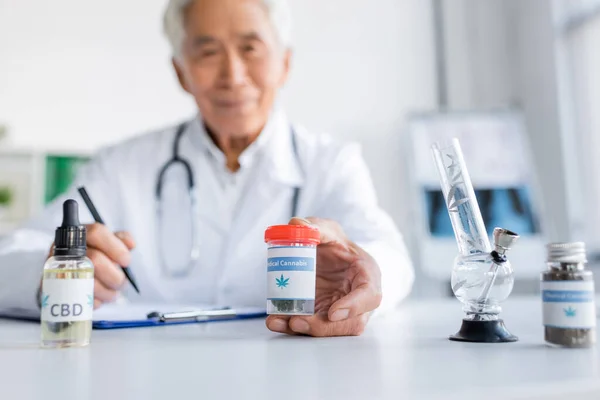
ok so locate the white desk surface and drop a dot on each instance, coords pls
(404, 356)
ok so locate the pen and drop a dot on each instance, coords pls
(98, 219)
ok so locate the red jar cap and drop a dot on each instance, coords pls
(293, 233)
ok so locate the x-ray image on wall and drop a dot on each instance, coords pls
(508, 207)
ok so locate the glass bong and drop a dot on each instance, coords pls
(482, 278)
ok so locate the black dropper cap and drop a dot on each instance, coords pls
(70, 237)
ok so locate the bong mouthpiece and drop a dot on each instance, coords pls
(504, 240)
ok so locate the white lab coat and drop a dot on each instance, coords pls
(121, 180)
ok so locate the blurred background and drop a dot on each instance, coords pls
(517, 81)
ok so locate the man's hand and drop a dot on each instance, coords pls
(107, 251)
(348, 287)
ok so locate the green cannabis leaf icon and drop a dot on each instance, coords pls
(45, 300)
(282, 282)
(570, 312)
(90, 300)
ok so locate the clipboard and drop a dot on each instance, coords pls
(120, 316)
(187, 315)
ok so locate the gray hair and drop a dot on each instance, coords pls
(173, 22)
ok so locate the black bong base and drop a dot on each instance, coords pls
(483, 332)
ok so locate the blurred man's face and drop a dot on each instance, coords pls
(232, 63)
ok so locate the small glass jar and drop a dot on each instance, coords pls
(568, 296)
(291, 269)
(67, 292)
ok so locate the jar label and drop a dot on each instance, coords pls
(67, 300)
(291, 273)
(569, 304)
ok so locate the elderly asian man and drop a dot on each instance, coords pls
(251, 168)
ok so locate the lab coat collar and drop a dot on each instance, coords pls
(273, 147)
(203, 141)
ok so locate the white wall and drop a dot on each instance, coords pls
(83, 74)
(360, 66)
(536, 78)
(578, 65)
(479, 55)
(502, 53)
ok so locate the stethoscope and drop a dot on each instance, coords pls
(195, 207)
